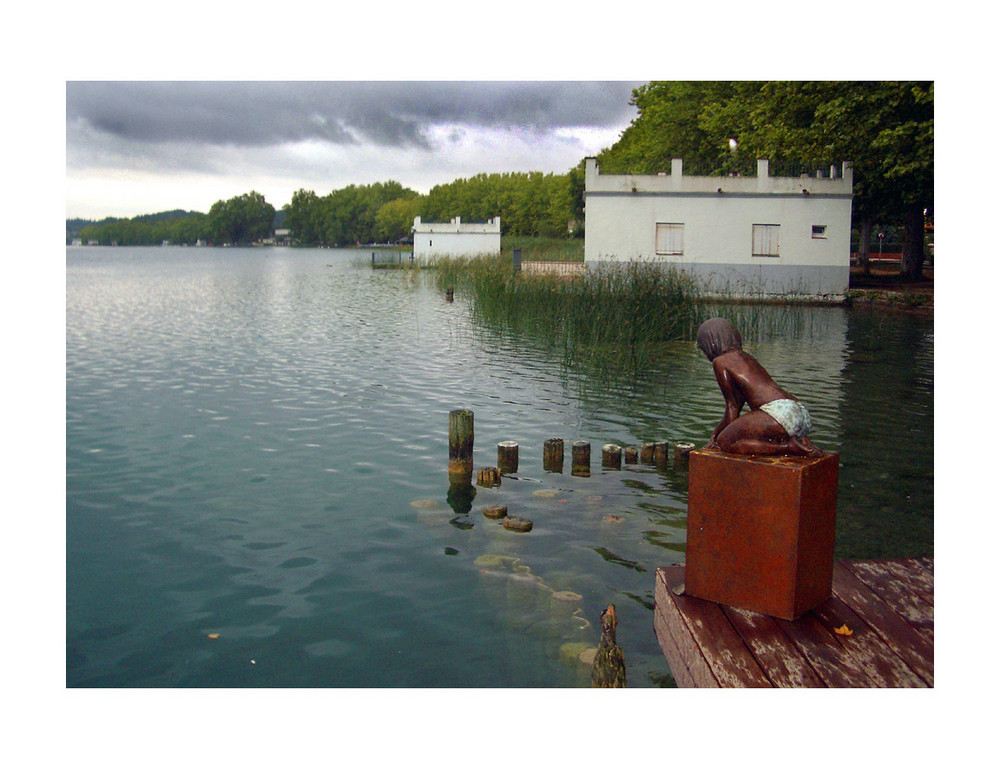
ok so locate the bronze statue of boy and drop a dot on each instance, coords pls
(777, 424)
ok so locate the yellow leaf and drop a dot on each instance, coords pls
(843, 630)
(213, 635)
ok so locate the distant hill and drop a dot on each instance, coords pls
(165, 216)
(73, 226)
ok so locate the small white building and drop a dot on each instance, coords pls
(737, 235)
(455, 238)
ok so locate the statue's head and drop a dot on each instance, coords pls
(717, 336)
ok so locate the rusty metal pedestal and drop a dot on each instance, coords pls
(760, 531)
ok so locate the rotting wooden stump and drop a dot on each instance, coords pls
(581, 459)
(495, 511)
(661, 451)
(631, 455)
(488, 476)
(507, 457)
(461, 436)
(611, 456)
(552, 455)
(682, 451)
(646, 454)
(517, 523)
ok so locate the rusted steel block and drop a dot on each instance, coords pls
(760, 531)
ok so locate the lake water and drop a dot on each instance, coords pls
(257, 490)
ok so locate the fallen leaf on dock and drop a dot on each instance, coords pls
(843, 630)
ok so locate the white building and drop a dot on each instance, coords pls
(737, 235)
(455, 238)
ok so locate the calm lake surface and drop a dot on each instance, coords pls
(257, 489)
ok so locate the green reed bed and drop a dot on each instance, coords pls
(543, 249)
(611, 318)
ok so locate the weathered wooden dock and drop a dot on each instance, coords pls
(883, 610)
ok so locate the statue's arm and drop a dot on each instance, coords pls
(733, 397)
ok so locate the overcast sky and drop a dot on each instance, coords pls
(142, 147)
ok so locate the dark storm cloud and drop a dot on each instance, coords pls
(393, 114)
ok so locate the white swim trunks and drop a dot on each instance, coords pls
(791, 415)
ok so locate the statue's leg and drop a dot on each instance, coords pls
(758, 433)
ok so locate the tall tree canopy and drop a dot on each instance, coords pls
(241, 220)
(350, 215)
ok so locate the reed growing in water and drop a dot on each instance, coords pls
(610, 319)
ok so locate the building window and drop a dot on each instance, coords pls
(669, 239)
(819, 231)
(765, 239)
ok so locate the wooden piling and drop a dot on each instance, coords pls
(495, 511)
(611, 456)
(507, 456)
(461, 436)
(681, 451)
(488, 476)
(552, 455)
(646, 454)
(449, 295)
(631, 455)
(581, 458)
(660, 453)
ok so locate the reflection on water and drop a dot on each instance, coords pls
(257, 489)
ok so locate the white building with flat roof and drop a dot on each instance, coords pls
(737, 235)
(455, 238)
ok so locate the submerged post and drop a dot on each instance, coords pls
(461, 435)
(488, 476)
(507, 456)
(552, 455)
(611, 456)
(581, 458)
(682, 450)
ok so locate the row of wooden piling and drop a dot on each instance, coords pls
(461, 437)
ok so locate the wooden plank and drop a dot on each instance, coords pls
(781, 662)
(727, 656)
(710, 645)
(923, 568)
(915, 574)
(678, 668)
(689, 653)
(885, 582)
(867, 649)
(824, 653)
(901, 637)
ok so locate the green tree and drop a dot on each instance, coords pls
(528, 204)
(301, 216)
(394, 220)
(673, 122)
(241, 220)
